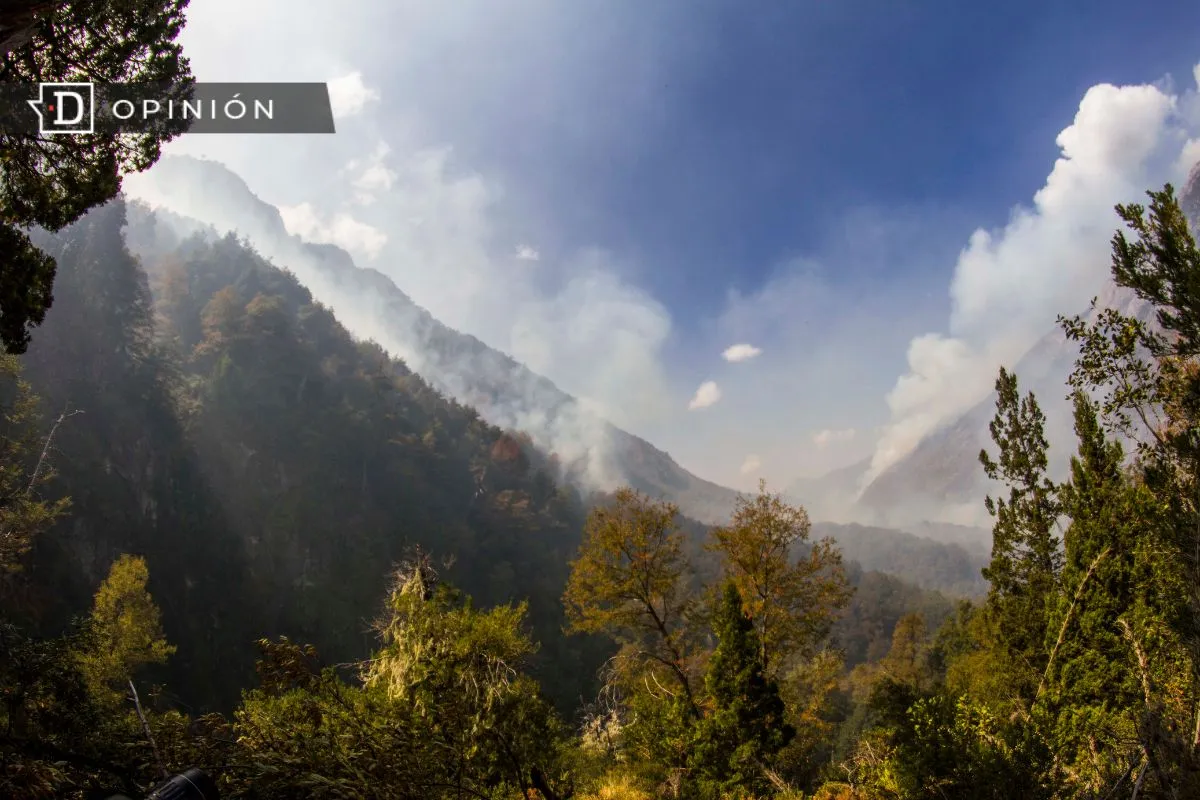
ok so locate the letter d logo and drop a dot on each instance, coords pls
(65, 108)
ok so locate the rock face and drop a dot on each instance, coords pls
(199, 195)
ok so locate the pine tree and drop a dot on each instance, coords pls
(1147, 378)
(1026, 561)
(746, 727)
(1093, 684)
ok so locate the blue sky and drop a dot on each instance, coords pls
(692, 175)
(760, 132)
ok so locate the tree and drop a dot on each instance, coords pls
(746, 727)
(126, 630)
(51, 181)
(629, 583)
(1094, 681)
(24, 470)
(459, 672)
(1147, 377)
(907, 660)
(1025, 562)
(792, 590)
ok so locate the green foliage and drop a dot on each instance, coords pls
(941, 745)
(745, 728)
(1147, 377)
(1026, 561)
(443, 709)
(52, 181)
(24, 473)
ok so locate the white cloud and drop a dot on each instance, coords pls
(526, 253)
(828, 436)
(741, 352)
(348, 95)
(1050, 258)
(751, 465)
(708, 394)
(341, 229)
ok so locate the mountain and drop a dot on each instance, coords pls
(594, 454)
(952, 569)
(941, 479)
(831, 496)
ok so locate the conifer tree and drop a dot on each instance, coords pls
(1147, 377)
(746, 727)
(1025, 562)
(1093, 685)
(24, 470)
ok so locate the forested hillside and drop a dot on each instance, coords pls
(594, 452)
(269, 467)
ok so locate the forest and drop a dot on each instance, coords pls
(233, 537)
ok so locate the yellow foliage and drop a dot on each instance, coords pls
(837, 791)
(618, 786)
(126, 627)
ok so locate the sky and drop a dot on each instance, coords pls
(772, 239)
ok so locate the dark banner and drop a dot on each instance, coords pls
(65, 109)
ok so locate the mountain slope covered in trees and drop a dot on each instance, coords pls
(598, 455)
(269, 467)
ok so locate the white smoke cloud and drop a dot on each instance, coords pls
(371, 176)
(1050, 258)
(828, 436)
(706, 395)
(741, 352)
(340, 229)
(751, 465)
(527, 253)
(348, 95)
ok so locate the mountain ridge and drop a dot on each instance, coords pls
(594, 452)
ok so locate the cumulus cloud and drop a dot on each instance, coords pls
(527, 253)
(1009, 284)
(341, 229)
(751, 465)
(828, 436)
(348, 95)
(706, 395)
(741, 352)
